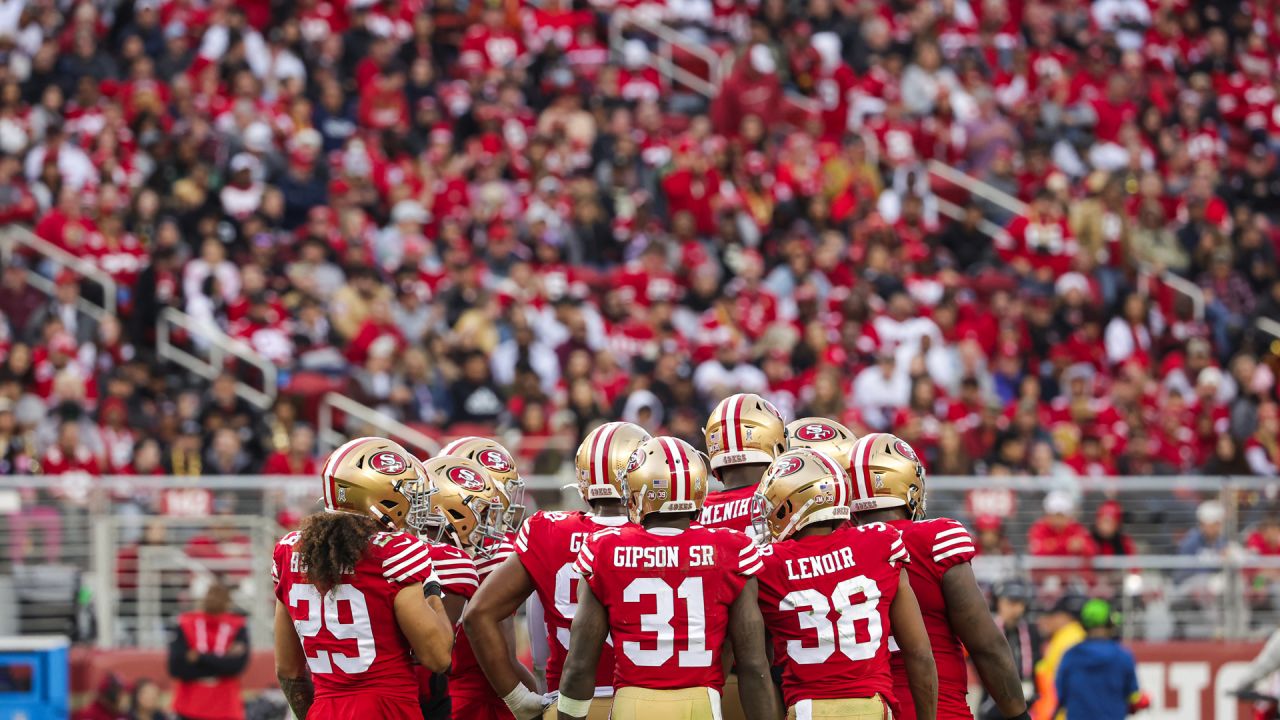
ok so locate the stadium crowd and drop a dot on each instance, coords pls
(478, 217)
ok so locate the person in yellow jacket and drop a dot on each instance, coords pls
(1062, 626)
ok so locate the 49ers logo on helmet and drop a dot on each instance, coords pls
(905, 450)
(816, 432)
(769, 406)
(787, 466)
(466, 478)
(495, 460)
(388, 463)
(634, 461)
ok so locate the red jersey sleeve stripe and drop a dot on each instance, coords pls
(966, 540)
(955, 551)
(752, 570)
(522, 538)
(393, 571)
(949, 532)
(414, 546)
(423, 570)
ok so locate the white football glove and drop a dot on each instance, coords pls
(524, 703)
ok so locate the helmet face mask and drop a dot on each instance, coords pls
(467, 509)
(744, 429)
(501, 467)
(419, 493)
(800, 488)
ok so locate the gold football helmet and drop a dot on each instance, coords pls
(801, 487)
(744, 428)
(378, 477)
(467, 508)
(602, 459)
(887, 473)
(501, 467)
(665, 475)
(827, 436)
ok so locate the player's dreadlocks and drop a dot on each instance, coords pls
(332, 543)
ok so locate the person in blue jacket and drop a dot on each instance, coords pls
(1098, 678)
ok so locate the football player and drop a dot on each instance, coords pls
(546, 547)
(744, 434)
(355, 594)
(889, 478)
(495, 459)
(831, 593)
(467, 511)
(826, 436)
(669, 592)
(459, 580)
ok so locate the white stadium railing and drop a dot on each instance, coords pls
(111, 560)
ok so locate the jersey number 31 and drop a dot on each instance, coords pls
(659, 623)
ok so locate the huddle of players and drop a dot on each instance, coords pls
(662, 601)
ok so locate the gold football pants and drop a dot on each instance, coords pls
(873, 708)
(633, 703)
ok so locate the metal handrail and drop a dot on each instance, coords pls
(985, 226)
(330, 437)
(1268, 326)
(220, 345)
(974, 186)
(1178, 284)
(19, 235)
(663, 61)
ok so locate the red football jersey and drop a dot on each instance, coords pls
(457, 575)
(350, 636)
(729, 509)
(935, 546)
(547, 546)
(465, 675)
(668, 592)
(825, 601)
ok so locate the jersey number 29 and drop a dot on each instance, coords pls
(814, 611)
(322, 612)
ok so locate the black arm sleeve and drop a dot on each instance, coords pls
(228, 665)
(179, 667)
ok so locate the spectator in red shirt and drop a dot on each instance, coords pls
(1108, 535)
(1058, 533)
(299, 458)
(752, 89)
(1040, 243)
(69, 455)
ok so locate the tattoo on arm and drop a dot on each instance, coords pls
(299, 692)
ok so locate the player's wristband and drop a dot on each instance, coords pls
(574, 708)
(430, 588)
(1026, 715)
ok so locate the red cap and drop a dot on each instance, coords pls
(987, 523)
(1110, 509)
(62, 343)
(66, 277)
